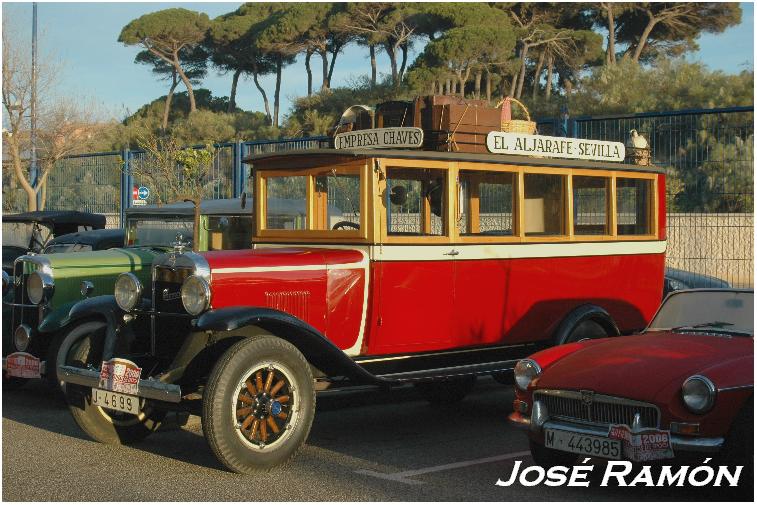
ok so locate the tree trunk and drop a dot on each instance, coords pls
(488, 85)
(391, 51)
(404, 61)
(325, 65)
(308, 55)
(372, 50)
(169, 97)
(643, 39)
(522, 76)
(477, 84)
(185, 80)
(233, 94)
(537, 74)
(513, 83)
(447, 87)
(548, 90)
(43, 197)
(334, 53)
(31, 195)
(610, 34)
(276, 102)
(265, 97)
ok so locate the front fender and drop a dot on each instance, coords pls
(102, 307)
(56, 319)
(316, 347)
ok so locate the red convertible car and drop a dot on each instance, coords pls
(685, 385)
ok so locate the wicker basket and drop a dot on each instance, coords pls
(510, 125)
(638, 156)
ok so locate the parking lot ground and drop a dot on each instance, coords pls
(363, 446)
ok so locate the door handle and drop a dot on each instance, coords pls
(453, 252)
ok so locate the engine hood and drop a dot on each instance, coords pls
(278, 258)
(123, 260)
(642, 366)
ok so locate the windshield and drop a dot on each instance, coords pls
(229, 232)
(158, 232)
(708, 311)
(20, 234)
(62, 248)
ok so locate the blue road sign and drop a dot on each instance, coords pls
(143, 192)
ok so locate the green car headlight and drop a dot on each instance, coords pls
(128, 291)
(39, 287)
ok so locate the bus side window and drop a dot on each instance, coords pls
(634, 198)
(544, 209)
(487, 203)
(591, 199)
(415, 202)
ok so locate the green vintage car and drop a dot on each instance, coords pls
(44, 287)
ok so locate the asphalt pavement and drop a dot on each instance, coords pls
(365, 445)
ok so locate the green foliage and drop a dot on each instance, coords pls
(166, 27)
(665, 85)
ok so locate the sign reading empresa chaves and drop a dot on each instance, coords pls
(554, 147)
(380, 138)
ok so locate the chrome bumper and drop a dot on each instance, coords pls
(152, 389)
(679, 442)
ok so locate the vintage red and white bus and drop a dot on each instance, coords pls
(401, 266)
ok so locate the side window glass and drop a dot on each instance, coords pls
(286, 203)
(590, 205)
(415, 202)
(544, 208)
(634, 206)
(337, 201)
(486, 203)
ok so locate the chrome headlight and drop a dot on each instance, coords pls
(22, 336)
(195, 295)
(525, 371)
(6, 282)
(39, 287)
(128, 291)
(698, 393)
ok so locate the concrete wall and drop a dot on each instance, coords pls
(721, 245)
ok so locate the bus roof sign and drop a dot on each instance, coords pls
(554, 147)
(380, 138)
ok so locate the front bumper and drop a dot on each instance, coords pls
(146, 388)
(679, 442)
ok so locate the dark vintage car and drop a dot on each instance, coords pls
(677, 279)
(29, 232)
(85, 241)
(684, 386)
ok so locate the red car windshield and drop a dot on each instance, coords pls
(729, 312)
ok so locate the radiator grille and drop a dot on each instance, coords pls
(602, 410)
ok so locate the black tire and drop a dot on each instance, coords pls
(446, 392)
(548, 458)
(240, 401)
(107, 427)
(51, 362)
(586, 330)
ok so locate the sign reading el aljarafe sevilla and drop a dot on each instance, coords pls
(554, 147)
(376, 138)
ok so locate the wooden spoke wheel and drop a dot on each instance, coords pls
(258, 404)
(264, 405)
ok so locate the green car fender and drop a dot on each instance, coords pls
(56, 319)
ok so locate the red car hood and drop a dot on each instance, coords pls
(641, 366)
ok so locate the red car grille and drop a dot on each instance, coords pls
(586, 407)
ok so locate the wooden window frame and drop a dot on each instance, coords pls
(652, 212)
(313, 218)
(567, 205)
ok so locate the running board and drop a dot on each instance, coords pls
(448, 372)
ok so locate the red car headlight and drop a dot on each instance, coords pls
(698, 393)
(525, 371)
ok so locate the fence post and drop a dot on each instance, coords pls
(237, 173)
(125, 185)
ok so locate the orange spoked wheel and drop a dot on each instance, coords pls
(258, 404)
(264, 405)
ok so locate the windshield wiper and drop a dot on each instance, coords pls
(714, 326)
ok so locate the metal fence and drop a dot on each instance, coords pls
(709, 163)
(707, 155)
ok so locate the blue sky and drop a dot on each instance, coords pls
(84, 36)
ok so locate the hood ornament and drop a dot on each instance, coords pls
(178, 245)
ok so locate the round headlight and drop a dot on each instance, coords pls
(698, 393)
(525, 371)
(128, 291)
(22, 336)
(195, 295)
(39, 287)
